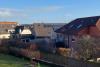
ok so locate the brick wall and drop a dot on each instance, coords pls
(92, 31)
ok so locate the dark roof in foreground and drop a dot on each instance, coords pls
(78, 24)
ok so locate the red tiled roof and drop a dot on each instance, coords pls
(8, 23)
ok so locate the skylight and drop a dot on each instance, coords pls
(79, 26)
(92, 20)
(71, 26)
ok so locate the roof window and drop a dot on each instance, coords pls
(71, 26)
(79, 26)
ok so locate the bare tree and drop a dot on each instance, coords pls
(86, 47)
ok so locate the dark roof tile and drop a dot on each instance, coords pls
(78, 24)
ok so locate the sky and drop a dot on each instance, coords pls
(47, 11)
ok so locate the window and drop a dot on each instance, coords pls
(73, 39)
(92, 20)
(71, 26)
(38, 24)
(13, 26)
(27, 40)
(79, 26)
(47, 26)
(23, 40)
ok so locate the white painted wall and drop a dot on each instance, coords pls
(4, 36)
(11, 30)
(26, 31)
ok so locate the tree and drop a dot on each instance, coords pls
(86, 47)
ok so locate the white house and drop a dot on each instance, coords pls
(23, 33)
(6, 28)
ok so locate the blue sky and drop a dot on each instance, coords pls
(48, 11)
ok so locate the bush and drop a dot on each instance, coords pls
(86, 47)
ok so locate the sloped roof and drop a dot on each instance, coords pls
(78, 24)
(6, 26)
(20, 28)
(8, 22)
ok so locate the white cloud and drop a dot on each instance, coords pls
(9, 12)
(46, 9)
(5, 13)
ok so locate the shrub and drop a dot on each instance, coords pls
(86, 47)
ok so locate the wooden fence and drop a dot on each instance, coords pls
(77, 63)
(50, 64)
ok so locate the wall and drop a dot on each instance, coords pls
(43, 31)
(98, 24)
(83, 32)
(26, 31)
(94, 31)
(4, 36)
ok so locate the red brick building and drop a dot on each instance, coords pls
(81, 26)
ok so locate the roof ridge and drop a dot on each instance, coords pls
(88, 17)
(5, 22)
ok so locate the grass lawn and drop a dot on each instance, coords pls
(11, 61)
(41, 65)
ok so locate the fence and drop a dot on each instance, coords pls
(50, 64)
(77, 63)
(68, 62)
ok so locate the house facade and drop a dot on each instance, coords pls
(80, 27)
(41, 30)
(6, 28)
(46, 30)
(87, 26)
(23, 33)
